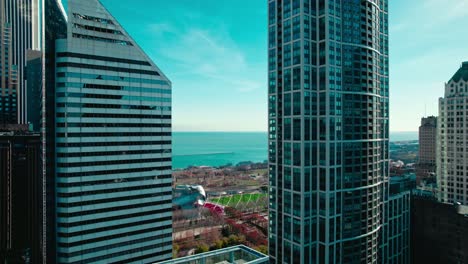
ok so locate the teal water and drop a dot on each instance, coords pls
(217, 148)
(221, 148)
(404, 136)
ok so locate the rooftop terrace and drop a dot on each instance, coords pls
(232, 255)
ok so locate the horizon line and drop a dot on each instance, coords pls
(256, 131)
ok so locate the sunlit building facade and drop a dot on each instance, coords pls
(328, 131)
(452, 132)
(426, 166)
(113, 144)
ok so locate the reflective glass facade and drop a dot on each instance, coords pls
(55, 27)
(328, 130)
(8, 72)
(20, 31)
(397, 228)
(113, 145)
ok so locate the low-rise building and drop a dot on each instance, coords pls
(439, 231)
(426, 166)
(21, 196)
(397, 247)
(231, 255)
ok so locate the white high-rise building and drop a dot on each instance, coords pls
(452, 149)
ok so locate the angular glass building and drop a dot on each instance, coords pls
(328, 131)
(54, 27)
(113, 144)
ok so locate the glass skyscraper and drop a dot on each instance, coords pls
(19, 32)
(8, 72)
(55, 27)
(328, 131)
(113, 145)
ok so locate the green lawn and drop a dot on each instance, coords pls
(232, 200)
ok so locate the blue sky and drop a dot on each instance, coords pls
(214, 52)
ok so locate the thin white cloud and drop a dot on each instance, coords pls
(161, 28)
(428, 15)
(211, 54)
(445, 10)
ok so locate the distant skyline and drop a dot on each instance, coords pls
(215, 53)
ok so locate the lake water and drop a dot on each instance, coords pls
(221, 148)
(217, 148)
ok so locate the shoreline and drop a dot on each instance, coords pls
(225, 166)
(265, 161)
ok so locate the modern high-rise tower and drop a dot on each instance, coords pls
(452, 153)
(20, 29)
(113, 144)
(328, 131)
(8, 72)
(55, 27)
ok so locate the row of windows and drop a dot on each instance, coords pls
(106, 68)
(106, 238)
(133, 125)
(93, 19)
(10, 97)
(103, 144)
(101, 58)
(115, 106)
(167, 253)
(113, 87)
(102, 115)
(154, 247)
(116, 199)
(113, 97)
(108, 40)
(109, 78)
(110, 162)
(98, 29)
(109, 153)
(113, 190)
(114, 227)
(116, 134)
(111, 209)
(121, 244)
(107, 172)
(111, 181)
